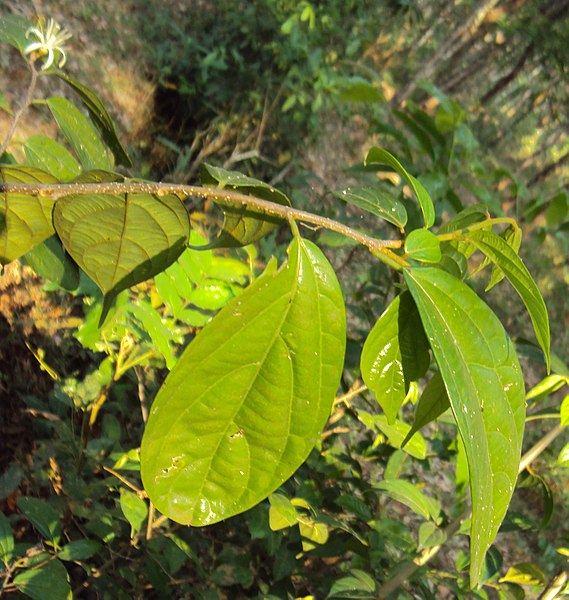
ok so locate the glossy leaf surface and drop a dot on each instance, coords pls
(395, 353)
(100, 117)
(480, 368)
(502, 254)
(247, 400)
(120, 241)
(378, 155)
(423, 246)
(242, 226)
(25, 221)
(377, 203)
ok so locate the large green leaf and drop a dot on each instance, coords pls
(46, 154)
(505, 257)
(48, 580)
(25, 221)
(480, 368)
(100, 116)
(80, 133)
(242, 226)
(381, 156)
(377, 203)
(247, 400)
(395, 353)
(13, 30)
(121, 240)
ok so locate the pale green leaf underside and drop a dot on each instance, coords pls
(25, 221)
(377, 203)
(46, 154)
(480, 368)
(247, 400)
(505, 257)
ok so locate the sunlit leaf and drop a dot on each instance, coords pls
(47, 154)
(121, 240)
(282, 512)
(247, 400)
(358, 585)
(100, 117)
(378, 155)
(500, 253)
(480, 368)
(563, 458)
(80, 133)
(51, 575)
(312, 533)
(241, 225)
(134, 509)
(397, 432)
(430, 535)
(377, 203)
(79, 550)
(395, 353)
(564, 412)
(408, 494)
(525, 574)
(6, 539)
(423, 246)
(513, 237)
(25, 220)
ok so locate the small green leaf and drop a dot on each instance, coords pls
(395, 353)
(50, 261)
(46, 154)
(423, 246)
(264, 373)
(499, 252)
(4, 105)
(357, 89)
(6, 539)
(241, 225)
(100, 117)
(13, 30)
(25, 221)
(563, 458)
(357, 586)
(432, 404)
(79, 550)
(480, 368)
(557, 209)
(378, 155)
(408, 494)
(513, 237)
(51, 575)
(548, 385)
(397, 433)
(377, 203)
(42, 516)
(525, 574)
(282, 512)
(120, 241)
(134, 509)
(80, 133)
(312, 533)
(564, 412)
(430, 535)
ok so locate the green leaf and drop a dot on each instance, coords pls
(51, 576)
(42, 516)
(46, 154)
(121, 240)
(408, 494)
(480, 368)
(357, 586)
(525, 574)
(25, 221)
(4, 105)
(50, 261)
(396, 434)
(264, 373)
(134, 509)
(563, 458)
(312, 533)
(357, 89)
(548, 385)
(395, 353)
(513, 237)
(557, 209)
(80, 133)
(241, 225)
(6, 539)
(282, 512)
(377, 203)
(499, 252)
(79, 550)
(432, 404)
(564, 412)
(423, 246)
(100, 116)
(430, 535)
(13, 30)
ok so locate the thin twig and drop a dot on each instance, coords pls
(139, 493)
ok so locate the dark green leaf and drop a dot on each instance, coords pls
(377, 203)
(378, 155)
(120, 241)
(557, 208)
(13, 30)
(432, 404)
(430, 535)
(100, 117)
(480, 368)
(6, 539)
(358, 585)
(408, 494)
(423, 246)
(395, 353)
(46, 154)
(500, 253)
(242, 226)
(42, 516)
(79, 550)
(264, 373)
(80, 133)
(25, 221)
(134, 509)
(50, 261)
(51, 575)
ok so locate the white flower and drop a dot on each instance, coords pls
(49, 43)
